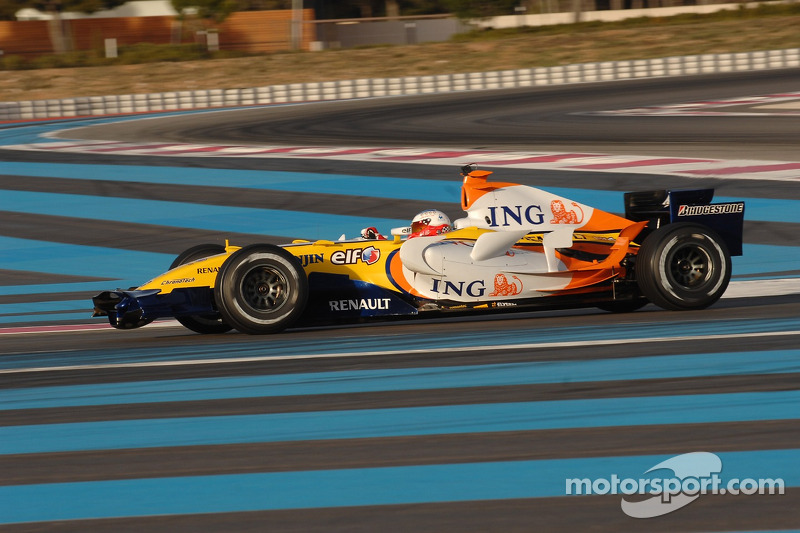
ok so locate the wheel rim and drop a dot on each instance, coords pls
(690, 266)
(264, 289)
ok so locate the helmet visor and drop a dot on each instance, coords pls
(420, 225)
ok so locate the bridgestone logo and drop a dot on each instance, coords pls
(716, 209)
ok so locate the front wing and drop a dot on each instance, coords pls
(332, 298)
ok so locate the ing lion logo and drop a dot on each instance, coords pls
(502, 287)
(562, 216)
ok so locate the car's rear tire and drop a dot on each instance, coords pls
(261, 289)
(683, 266)
(207, 324)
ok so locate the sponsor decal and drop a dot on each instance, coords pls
(368, 256)
(448, 288)
(505, 215)
(561, 215)
(537, 238)
(207, 270)
(310, 259)
(177, 281)
(358, 305)
(503, 287)
(503, 304)
(715, 209)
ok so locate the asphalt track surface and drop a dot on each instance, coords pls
(447, 424)
(531, 119)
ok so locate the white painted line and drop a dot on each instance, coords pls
(784, 105)
(762, 287)
(487, 348)
(78, 328)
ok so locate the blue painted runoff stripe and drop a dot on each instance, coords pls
(396, 422)
(770, 210)
(387, 343)
(314, 383)
(763, 258)
(289, 224)
(81, 286)
(358, 487)
(28, 311)
(40, 307)
(79, 260)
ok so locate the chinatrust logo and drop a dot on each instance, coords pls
(693, 474)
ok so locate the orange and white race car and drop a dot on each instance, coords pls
(518, 247)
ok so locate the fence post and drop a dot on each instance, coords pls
(111, 47)
(212, 40)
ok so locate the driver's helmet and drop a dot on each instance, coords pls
(429, 223)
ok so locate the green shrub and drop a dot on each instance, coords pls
(127, 55)
(65, 60)
(151, 53)
(13, 63)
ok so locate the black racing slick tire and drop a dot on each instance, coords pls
(207, 324)
(683, 266)
(261, 289)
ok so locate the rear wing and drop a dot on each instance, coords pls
(661, 207)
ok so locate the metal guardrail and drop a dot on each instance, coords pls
(412, 85)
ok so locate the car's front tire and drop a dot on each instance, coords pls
(207, 324)
(261, 289)
(683, 266)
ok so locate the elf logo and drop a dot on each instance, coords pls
(368, 256)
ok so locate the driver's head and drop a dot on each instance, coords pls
(429, 223)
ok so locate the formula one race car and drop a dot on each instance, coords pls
(518, 248)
